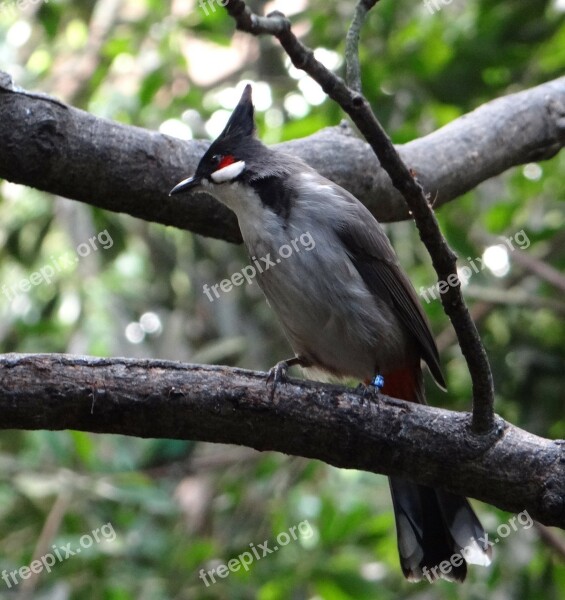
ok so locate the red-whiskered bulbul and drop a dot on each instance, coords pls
(347, 308)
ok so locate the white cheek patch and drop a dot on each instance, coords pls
(228, 173)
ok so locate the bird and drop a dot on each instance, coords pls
(347, 309)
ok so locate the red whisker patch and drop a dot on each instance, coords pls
(226, 161)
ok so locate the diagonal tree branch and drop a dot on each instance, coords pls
(509, 467)
(443, 258)
(59, 149)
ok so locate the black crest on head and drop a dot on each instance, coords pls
(235, 145)
(241, 122)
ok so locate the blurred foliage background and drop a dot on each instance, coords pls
(178, 507)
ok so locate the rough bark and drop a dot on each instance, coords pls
(69, 152)
(509, 468)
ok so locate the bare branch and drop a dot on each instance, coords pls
(541, 269)
(554, 541)
(514, 296)
(59, 149)
(509, 467)
(443, 258)
(352, 68)
(71, 75)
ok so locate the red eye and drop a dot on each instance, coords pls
(225, 161)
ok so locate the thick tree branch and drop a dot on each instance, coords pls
(443, 258)
(509, 468)
(68, 152)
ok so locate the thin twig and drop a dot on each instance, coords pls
(443, 258)
(538, 265)
(514, 296)
(48, 532)
(352, 68)
(540, 268)
(72, 76)
(552, 539)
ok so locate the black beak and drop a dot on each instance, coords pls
(185, 185)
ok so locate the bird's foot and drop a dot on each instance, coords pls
(278, 374)
(370, 389)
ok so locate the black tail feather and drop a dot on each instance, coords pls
(438, 532)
